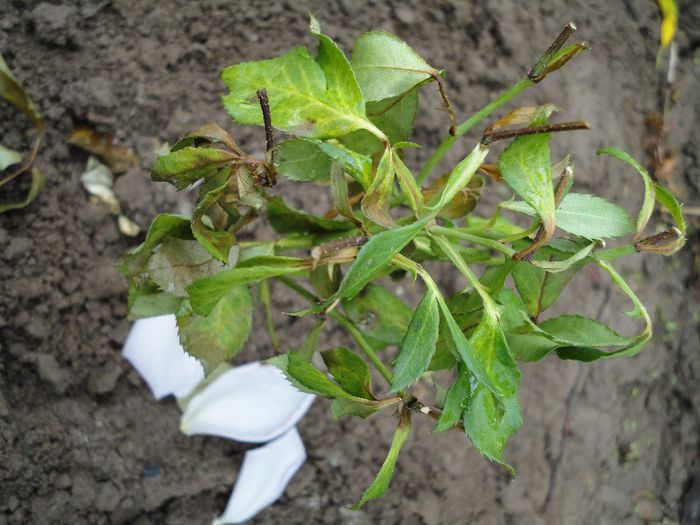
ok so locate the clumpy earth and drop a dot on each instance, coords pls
(81, 439)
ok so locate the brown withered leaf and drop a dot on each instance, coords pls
(666, 242)
(462, 203)
(492, 171)
(98, 181)
(118, 158)
(523, 116)
(12, 91)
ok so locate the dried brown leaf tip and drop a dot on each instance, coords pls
(491, 171)
(666, 242)
(556, 55)
(118, 158)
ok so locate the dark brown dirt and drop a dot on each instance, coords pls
(81, 439)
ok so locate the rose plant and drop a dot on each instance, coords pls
(345, 125)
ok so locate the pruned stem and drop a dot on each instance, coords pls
(431, 412)
(501, 134)
(537, 72)
(267, 120)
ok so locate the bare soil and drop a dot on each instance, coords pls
(81, 439)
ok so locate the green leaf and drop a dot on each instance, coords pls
(648, 203)
(307, 378)
(464, 305)
(379, 315)
(575, 330)
(358, 166)
(151, 302)
(456, 394)
(341, 407)
(636, 343)
(666, 199)
(386, 66)
(540, 289)
(485, 354)
(206, 292)
(164, 225)
(489, 422)
(529, 280)
(443, 358)
(350, 371)
(13, 92)
(418, 346)
(513, 314)
(305, 99)
(408, 184)
(381, 483)
(459, 178)
(221, 335)
(8, 157)
(525, 166)
(529, 347)
(490, 350)
(377, 200)
(375, 255)
(187, 165)
(311, 160)
(177, 263)
(340, 77)
(35, 186)
(217, 242)
(395, 116)
(586, 216)
(302, 160)
(288, 220)
(341, 199)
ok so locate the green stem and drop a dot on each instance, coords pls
(453, 253)
(474, 239)
(363, 344)
(638, 311)
(468, 124)
(615, 253)
(283, 243)
(524, 233)
(346, 324)
(265, 299)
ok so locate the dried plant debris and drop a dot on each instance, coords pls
(118, 158)
(11, 163)
(98, 181)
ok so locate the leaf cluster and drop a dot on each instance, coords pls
(346, 125)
